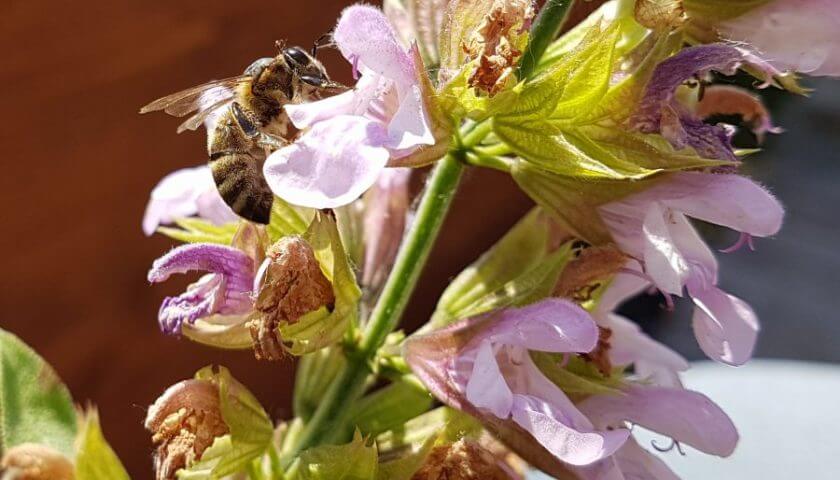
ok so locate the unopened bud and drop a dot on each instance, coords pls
(184, 421)
(293, 285)
(463, 460)
(30, 461)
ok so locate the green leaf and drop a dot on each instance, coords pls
(719, 10)
(287, 219)
(197, 230)
(250, 427)
(315, 373)
(35, 407)
(520, 250)
(390, 406)
(352, 461)
(95, 460)
(444, 424)
(577, 382)
(322, 328)
(407, 463)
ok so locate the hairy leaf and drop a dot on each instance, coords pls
(351, 461)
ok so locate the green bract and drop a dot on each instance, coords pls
(250, 427)
(352, 461)
(35, 407)
(322, 327)
(95, 460)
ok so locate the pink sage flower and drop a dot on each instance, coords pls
(185, 193)
(652, 361)
(652, 227)
(792, 35)
(226, 290)
(349, 138)
(684, 416)
(481, 365)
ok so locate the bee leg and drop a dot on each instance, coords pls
(271, 142)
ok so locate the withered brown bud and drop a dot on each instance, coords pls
(293, 285)
(184, 421)
(463, 460)
(30, 461)
(492, 44)
(584, 274)
(600, 356)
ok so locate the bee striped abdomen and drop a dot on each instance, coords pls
(237, 170)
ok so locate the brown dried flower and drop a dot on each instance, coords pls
(494, 44)
(293, 286)
(600, 356)
(184, 421)
(583, 274)
(30, 461)
(462, 460)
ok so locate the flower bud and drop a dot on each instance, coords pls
(30, 461)
(292, 286)
(463, 460)
(184, 421)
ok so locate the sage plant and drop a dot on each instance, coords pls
(608, 127)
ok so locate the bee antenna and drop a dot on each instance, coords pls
(280, 44)
(325, 40)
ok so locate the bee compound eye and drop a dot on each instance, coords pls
(312, 80)
(297, 56)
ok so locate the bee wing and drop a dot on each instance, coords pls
(206, 114)
(200, 97)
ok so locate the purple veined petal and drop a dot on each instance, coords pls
(726, 327)
(227, 290)
(567, 444)
(184, 193)
(662, 259)
(551, 325)
(686, 416)
(486, 388)
(364, 37)
(330, 165)
(409, 127)
(797, 35)
(732, 201)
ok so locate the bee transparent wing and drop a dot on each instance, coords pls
(199, 98)
(207, 113)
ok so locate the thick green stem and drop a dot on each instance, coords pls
(546, 26)
(327, 421)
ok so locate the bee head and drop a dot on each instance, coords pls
(309, 70)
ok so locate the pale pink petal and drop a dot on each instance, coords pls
(409, 127)
(330, 165)
(693, 249)
(365, 38)
(385, 218)
(725, 326)
(304, 115)
(551, 325)
(486, 387)
(663, 261)
(185, 193)
(798, 35)
(623, 287)
(686, 416)
(567, 444)
(630, 345)
(732, 201)
(637, 463)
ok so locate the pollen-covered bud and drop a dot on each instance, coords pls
(184, 421)
(30, 461)
(463, 460)
(496, 44)
(293, 285)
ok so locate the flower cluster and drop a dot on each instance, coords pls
(608, 127)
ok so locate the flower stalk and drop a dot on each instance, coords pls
(547, 25)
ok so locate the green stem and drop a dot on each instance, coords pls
(546, 27)
(326, 423)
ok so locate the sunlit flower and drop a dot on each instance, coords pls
(351, 137)
(684, 416)
(652, 227)
(185, 193)
(792, 35)
(481, 365)
(385, 218)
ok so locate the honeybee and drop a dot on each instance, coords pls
(246, 121)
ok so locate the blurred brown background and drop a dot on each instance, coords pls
(79, 163)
